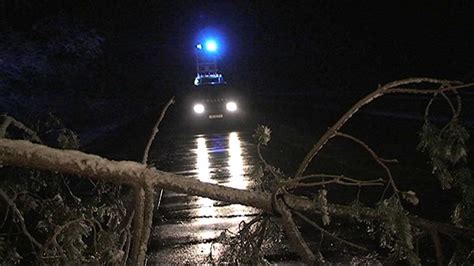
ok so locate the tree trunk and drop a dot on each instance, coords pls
(26, 154)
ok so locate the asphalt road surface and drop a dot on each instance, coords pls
(187, 227)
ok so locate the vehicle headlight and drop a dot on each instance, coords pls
(231, 106)
(198, 108)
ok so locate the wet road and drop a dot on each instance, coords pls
(187, 226)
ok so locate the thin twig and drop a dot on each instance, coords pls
(147, 221)
(261, 236)
(376, 158)
(324, 231)
(126, 245)
(18, 214)
(5, 218)
(265, 163)
(53, 239)
(456, 111)
(459, 102)
(8, 120)
(155, 130)
(76, 198)
(148, 146)
(144, 211)
(449, 88)
(451, 105)
(335, 179)
(437, 246)
(428, 107)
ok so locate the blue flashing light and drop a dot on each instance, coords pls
(211, 46)
(199, 46)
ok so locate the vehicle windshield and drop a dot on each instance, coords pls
(217, 90)
(208, 79)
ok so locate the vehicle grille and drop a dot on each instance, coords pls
(215, 100)
(215, 105)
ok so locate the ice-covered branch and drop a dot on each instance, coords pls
(22, 153)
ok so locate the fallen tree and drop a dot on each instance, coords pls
(278, 195)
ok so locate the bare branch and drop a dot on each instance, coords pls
(265, 163)
(379, 160)
(392, 87)
(8, 120)
(437, 246)
(324, 231)
(18, 214)
(294, 235)
(334, 179)
(340, 182)
(138, 222)
(451, 105)
(149, 195)
(455, 110)
(126, 244)
(155, 131)
(449, 88)
(147, 221)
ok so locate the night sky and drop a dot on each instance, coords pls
(320, 48)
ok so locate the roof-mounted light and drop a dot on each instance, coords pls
(211, 46)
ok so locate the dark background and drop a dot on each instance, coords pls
(325, 50)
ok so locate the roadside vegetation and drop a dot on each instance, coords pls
(60, 205)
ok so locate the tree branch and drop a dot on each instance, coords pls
(334, 179)
(306, 219)
(18, 214)
(147, 221)
(146, 213)
(306, 205)
(379, 160)
(294, 236)
(8, 120)
(138, 222)
(155, 130)
(392, 87)
(26, 154)
(437, 246)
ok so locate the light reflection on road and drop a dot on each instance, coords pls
(202, 161)
(236, 163)
(195, 222)
(225, 153)
(206, 206)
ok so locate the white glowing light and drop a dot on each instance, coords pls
(198, 108)
(231, 106)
